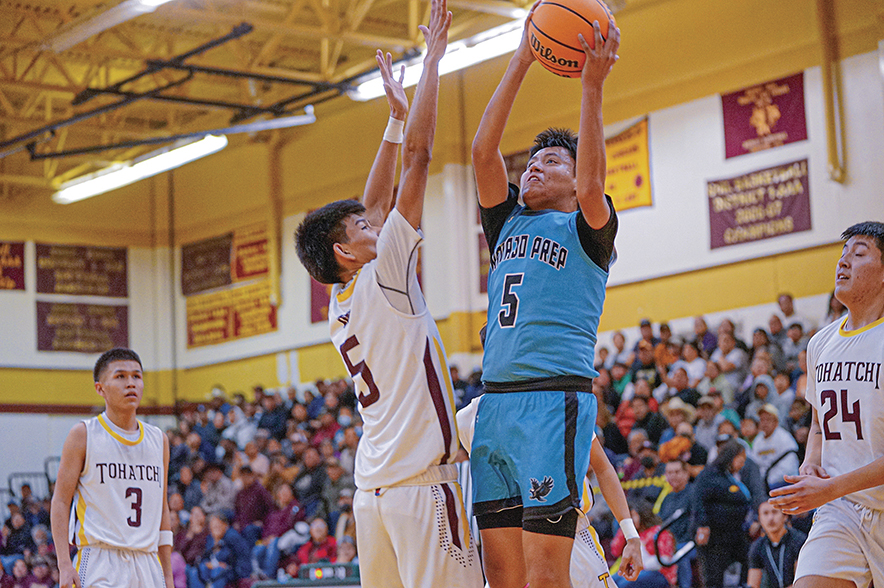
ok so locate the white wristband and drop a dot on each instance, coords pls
(393, 132)
(628, 528)
(165, 538)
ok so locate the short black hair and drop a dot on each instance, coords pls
(317, 234)
(116, 354)
(872, 229)
(556, 137)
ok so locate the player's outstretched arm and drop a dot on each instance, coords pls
(378, 195)
(591, 160)
(490, 170)
(73, 457)
(612, 492)
(420, 131)
(165, 551)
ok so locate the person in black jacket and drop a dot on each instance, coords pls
(721, 503)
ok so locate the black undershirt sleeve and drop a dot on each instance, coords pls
(599, 243)
(494, 217)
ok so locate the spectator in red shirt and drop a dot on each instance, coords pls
(648, 525)
(321, 547)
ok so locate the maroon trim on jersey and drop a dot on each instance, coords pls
(438, 401)
(451, 507)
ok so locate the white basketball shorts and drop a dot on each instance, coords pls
(107, 567)
(846, 541)
(588, 566)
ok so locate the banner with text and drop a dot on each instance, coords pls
(221, 261)
(628, 175)
(227, 315)
(82, 271)
(320, 296)
(759, 205)
(12, 267)
(84, 328)
(764, 116)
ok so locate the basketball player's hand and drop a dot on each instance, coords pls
(396, 97)
(812, 469)
(436, 35)
(602, 58)
(523, 53)
(631, 563)
(67, 575)
(803, 494)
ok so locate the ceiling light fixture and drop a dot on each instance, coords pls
(76, 34)
(459, 55)
(151, 164)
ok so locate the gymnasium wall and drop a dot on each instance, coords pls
(666, 270)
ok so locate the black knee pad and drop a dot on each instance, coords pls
(509, 517)
(561, 526)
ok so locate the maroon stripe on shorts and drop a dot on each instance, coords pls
(438, 401)
(451, 506)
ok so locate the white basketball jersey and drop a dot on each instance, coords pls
(398, 366)
(119, 498)
(846, 387)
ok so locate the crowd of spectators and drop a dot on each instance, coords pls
(705, 423)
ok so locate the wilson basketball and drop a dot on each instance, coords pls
(553, 31)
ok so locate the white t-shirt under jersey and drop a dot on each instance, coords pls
(846, 386)
(390, 344)
(119, 497)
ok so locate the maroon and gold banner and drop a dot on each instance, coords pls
(759, 205)
(224, 260)
(218, 317)
(764, 116)
(84, 328)
(628, 173)
(12, 267)
(320, 296)
(82, 271)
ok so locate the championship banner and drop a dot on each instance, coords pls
(219, 317)
(759, 205)
(12, 267)
(628, 175)
(764, 116)
(82, 271)
(83, 328)
(238, 256)
(320, 296)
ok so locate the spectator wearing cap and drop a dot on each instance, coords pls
(708, 419)
(771, 444)
(663, 351)
(226, 559)
(646, 419)
(677, 386)
(675, 411)
(219, 492)
(252, 505)
(647, 334)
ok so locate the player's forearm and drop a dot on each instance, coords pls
(378, 195)
(814, 450)
(609, 482)
(868, 476)
(591, 158)
(59, 520)
(165, 555)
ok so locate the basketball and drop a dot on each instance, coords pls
(553, 31)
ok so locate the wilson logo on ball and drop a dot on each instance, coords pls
(554, 29)
(546, 54)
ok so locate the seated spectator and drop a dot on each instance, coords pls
(761, 343)
(685, 448)
(336, 480)
(715, 379)
(251, 457)
(625, 415)
(763, 391)
(677, 387)
(266, 554)
(176, 506)
(18, 543)
(675, 411)
(274, 416)
(252, 505)
(788, 316)
(693, 364)
(219, 492)
(21, 576)
(614, 440)
(664, 354)
(774, 554)
(282, 471)
(731, 359)
(644, 368)
(647, 481)
(835, 311)
(784, 396)
(652, 422)
(646, 330)
(243, 425)
(42, 572)
(347, 448)
(321, 547)
(798, 418)
(631, 463)
(619, 354)
(189, 488)
(347, 551)
(705, 340)
(190, 542)
(648, 526)
(776, 332)
(771, 445)
(760, 366)
(309, 484)
(327, 428)
(226, 558)
(341, 519)
(795, 343)
(749, 429)
(708, 419)
(677, 498)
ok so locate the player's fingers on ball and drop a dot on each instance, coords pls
(583, 42)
